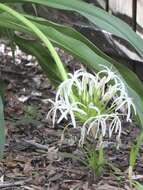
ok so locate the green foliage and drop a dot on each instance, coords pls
(96, 15)
(94, 158)
(2, 89)
(30, 111)
(35, 30)
(81, 48)
(137, 185)
(134, 154)
(31, 115)
(2, 129)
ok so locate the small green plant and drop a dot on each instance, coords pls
(31, 112)
(94, 158)
(90, 156)
(120, 180)
(134, 154)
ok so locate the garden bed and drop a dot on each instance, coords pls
(36, 157)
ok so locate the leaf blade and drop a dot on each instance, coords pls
(2, 129)
(97, 16)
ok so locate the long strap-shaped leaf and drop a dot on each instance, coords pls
(97, 16)
(70, 40)
(70, 32)
(2, 129)
(39, 34)
(87, 53)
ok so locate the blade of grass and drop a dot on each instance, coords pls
(134, 154)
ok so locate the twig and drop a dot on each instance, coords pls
(36, 145)
(11, 184)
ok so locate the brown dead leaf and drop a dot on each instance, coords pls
(53, 153)
(28, 169)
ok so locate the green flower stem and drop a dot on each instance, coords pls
(40, 34)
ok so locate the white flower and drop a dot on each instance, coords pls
(98, 102)
(100, 125)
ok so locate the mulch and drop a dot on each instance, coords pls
(36, 156)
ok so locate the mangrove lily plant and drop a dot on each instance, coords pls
(97, 103)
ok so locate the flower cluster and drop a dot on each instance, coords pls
(97, 102)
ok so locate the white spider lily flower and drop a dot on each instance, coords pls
(112, 76)
(53, 111)
(110, 92)
(65, 109)
(99, 125)
(126, 103)
(98, 102)
(115, 125)
(69, 110)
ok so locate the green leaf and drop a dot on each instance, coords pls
(35, 30)
(10, 35)
(135, 149)
(70, 32)
(2, 129)
(97, 16)
(138, 185)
